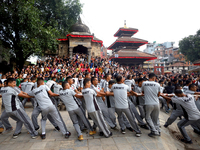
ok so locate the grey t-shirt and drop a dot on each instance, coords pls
(41, 95)
(105, 85)
(90, 100)
(129, 83)
(189, 107)
(185, 88)
(151, 90)
(29, 87)
(57, 88)
(98, 89)
(120, 95)
(110, 101)
(10, 98)
(67, 96)
(23, 86)
(140, 98)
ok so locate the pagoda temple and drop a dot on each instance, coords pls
(124, 49)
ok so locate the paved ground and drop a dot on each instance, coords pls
(55, 140)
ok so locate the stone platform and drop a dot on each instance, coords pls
(55, 141)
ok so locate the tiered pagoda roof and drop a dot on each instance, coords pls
(125, 48)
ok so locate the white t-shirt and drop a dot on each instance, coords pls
(2, 80)
(189, 107)
(10, 98)
(151, 90)
(185, 88)
(57, 88)
(50, 84)
(120, 95)
(129, 83)
(23, 86)
(29, 87)
(41, 95)
(98, 89)
(67, 96)
(90, 100)
(73, 87)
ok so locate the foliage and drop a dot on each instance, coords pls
(31, 26)
(190, 47)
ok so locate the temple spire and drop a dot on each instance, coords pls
(125, 24)
(79, 20)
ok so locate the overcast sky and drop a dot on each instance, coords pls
(156, 20)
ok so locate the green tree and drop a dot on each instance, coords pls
(59, 14)
(27, 29)
(190, 47)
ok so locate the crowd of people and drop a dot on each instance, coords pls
(98, 90)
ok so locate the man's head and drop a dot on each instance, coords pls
(11, 82)
(54, 79)
(87, 75)
(108, 77)
(65, 85)
(129, 77)
(152, 76)
(161, 82)
(94, 80)
(40, 81)
(33, 79)
(25, 80)
(87, 83)
(193, 87)
(140, 81)
(70, 80)
(188, 82)
(110, 83)
(119, 79)
(179, 93)
(60, 82)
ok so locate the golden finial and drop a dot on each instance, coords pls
(125, 24)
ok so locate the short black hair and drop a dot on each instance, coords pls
(151, 75)
(111, 82)
(60, 81)
(191, 86)
(86, 81)
(53, 78)
(106, 75)
(9, 80)
(39, 81)
(188, 81)
(64, 83)
(160, 81)
(140, 80)
(87, 73)
(177, 87)
(33, 78)
(93, 78)
(68, 78)
(128, 76)
(118, 78)
(136, 80)
(178, 91)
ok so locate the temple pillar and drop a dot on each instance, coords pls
(89, 54)
(70, 52)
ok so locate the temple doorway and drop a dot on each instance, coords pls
(80, 49)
